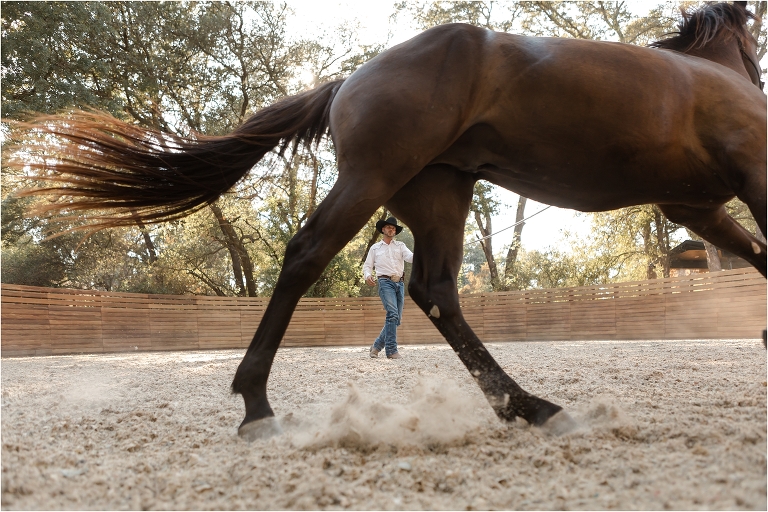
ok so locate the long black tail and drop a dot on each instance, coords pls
(96, 162)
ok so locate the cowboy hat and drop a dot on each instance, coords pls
(391, 221)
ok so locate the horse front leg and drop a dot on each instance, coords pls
(435, 205)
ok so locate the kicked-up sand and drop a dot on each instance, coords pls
(661, 425)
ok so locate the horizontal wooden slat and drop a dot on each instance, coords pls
(44, 321)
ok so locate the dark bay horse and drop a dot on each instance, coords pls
(579, 124)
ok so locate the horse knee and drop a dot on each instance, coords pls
(435, 299)
(299, 260)
(251, 373)
(417, 290)
(295, 249)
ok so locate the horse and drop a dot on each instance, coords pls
(585, 125)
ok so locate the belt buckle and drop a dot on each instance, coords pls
(395, 279)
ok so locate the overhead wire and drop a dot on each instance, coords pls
(509, 227)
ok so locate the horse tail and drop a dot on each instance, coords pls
(101, 163)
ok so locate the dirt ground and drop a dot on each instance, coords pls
(663, 425)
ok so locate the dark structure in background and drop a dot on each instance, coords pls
(690, 257)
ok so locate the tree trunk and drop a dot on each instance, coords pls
(241, 260)
(313, 189)
(487, 245)
(713, 259)
(649, 252)
(662, 239)
(517, 236)
(150, 245)
(292, 218)
(759, 8)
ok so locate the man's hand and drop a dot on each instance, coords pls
(369, 281)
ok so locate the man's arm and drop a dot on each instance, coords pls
(368, 266)
(407, 254)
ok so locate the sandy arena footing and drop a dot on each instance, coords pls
(661, 425)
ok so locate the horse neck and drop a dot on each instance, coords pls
(728, 55)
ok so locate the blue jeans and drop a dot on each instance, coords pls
(392, 295)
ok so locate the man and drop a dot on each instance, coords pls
(388, 257)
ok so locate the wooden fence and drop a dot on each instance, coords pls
(44, 321)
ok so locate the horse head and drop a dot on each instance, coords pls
(748, 50)
(718, 33)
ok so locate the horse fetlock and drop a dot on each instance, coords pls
(509, 406)
(263, 428)
(251, 375)
(259, 421)
(501, 406)
(506, 414)
(499, 402)
(255, 397)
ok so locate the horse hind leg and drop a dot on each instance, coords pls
(717, 227)
(752, 191)
(435, 205)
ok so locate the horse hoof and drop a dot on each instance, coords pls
(260, 429)
(559, 424)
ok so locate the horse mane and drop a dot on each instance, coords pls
(712, 22)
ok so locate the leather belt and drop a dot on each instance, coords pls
(394, 279)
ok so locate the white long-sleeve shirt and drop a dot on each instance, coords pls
(387, 258)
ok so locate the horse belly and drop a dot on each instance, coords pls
(579, 124)
(592, 193)
(591, 177)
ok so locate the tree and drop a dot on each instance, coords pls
(552, 268)
(474, 276)
(203, 67)
(760, 9)
(182, 68)
(484, 205)
(514, 247)
(598, 21)
(500, 16)
(90, 55)
(43, 69)
(631, 242)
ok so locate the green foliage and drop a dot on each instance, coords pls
(34, 264)
(43, 70)
(183, 68)
(474, 276)
(492, 15)
(204, 67)
(554, 269)
(610, 21)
